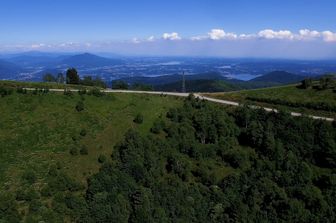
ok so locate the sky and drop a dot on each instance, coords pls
(233, 28)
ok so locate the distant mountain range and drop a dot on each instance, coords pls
(214, 82)
(166, 79)
(80, 60)
(279, 77)
(89, 60)
(8, 68)
(33, 65)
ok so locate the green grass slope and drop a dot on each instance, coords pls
(38, 129)
(290, 97)
(50, 85)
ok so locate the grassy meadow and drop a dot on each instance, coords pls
(37, 130)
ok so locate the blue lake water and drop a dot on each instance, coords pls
(243, 77)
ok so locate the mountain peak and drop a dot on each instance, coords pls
(282, 77)
(89, 60)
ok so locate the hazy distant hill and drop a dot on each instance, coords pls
(89, 60)
(167, 79)
(214, 82)
(279, 77)
(26, 60)
(199, 86)
(8, 69)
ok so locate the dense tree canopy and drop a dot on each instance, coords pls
(200, 163)
(72, 76)
(204, 165)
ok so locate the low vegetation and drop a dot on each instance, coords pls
(43, 132)
(122, 85)
(186, 162)
(310, 97)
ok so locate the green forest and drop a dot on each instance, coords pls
(205, 165)
(199, 162)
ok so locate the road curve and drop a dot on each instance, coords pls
(197, 95)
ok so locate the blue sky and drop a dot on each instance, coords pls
(191, 27)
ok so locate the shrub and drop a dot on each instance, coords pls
(34, 206)
(306, 83)
(119, 84)
(29, 176)
(67, 92)
(53, 170)
(74, 202)
(138, 119)
(80, 106)
(83, 132)
(20, 195)
(96, 92)
(5, 91)
(49, 78)
(46, 191)
(84, 150)
(30, 194)
(102, 158)
(74, 151)
(21, 90)
(157, 126)
(82, 91)
(75, 138)
(72, 76)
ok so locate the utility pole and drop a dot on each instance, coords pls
(183, 83)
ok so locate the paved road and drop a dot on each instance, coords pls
(197, 95)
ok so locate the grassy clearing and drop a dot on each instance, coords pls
(289, 93)
(16, 84)
(37, 130)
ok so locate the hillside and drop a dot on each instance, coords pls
(32, 60)
(89, 60)
(8, 69)
(39, 129)
(290, 97)
(92, 157)
(279, 77)
(168, 79)
(199, 86)
(213, 82)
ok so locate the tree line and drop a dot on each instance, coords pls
(72, 77)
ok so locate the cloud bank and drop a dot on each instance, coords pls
(303, 34)
(304, 43)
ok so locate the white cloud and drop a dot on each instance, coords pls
(151, 39)
(196, 38)
(271, 34)
(171, 36)
(40, 45)
(218, 34)
(306, 34)
(246, 36)
(68, 44)
(329, 36)
(136, 40)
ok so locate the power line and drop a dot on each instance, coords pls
(183, 83)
